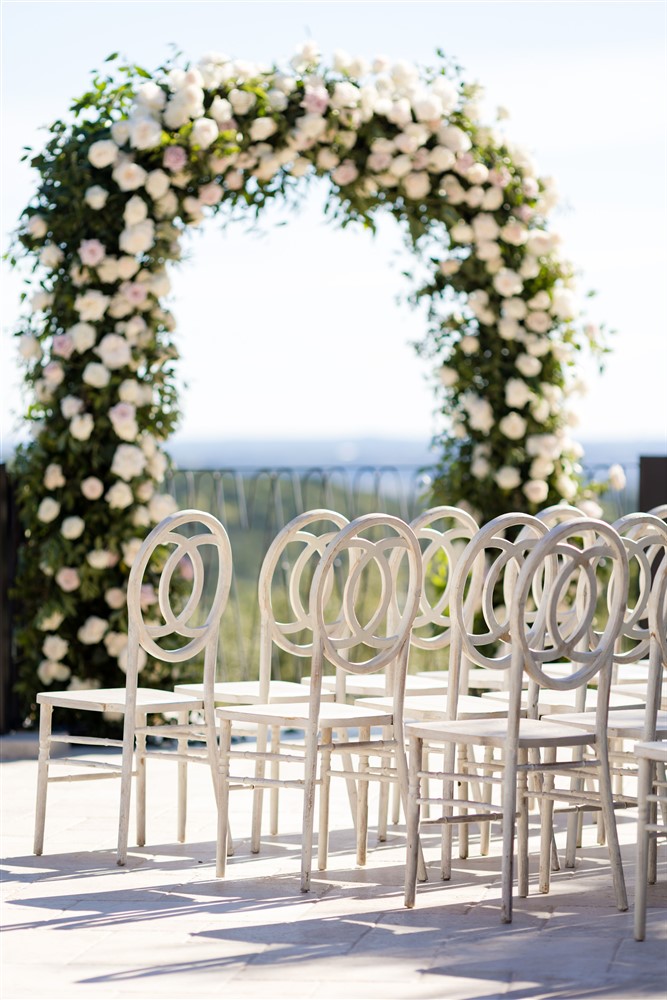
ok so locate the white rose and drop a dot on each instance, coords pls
(417, 185)
(29, 347)
(157, 466)
(138, 238)
(513, 426)
(53, 374)
(539, 322)
(507, 477)
(480, 468)
(129, 176)
(49, 671)
(160, 506)
(92, 488)
(96, 375)
(150, 95)
(536, 490)
(145, 132)
(48, 510)
(545, 446)
(115, 642)
(114, 351)
(221, 109)
(141, 518)
(590, 508)
(92, 630)
(115, 598)
(461, 232)
(517, 393)
(528, 365)
(508, 328)
(485, 227)
(617, 478)
(81, 426)
(540, 468)
(119, 496)
(157, 184)
(128, 462)
(507, 282)
(68, 579)
(131, 550)
(454, 138)
(37, 227)
(515, 309)
(563, 304)
(51, 622)
(514, 233)
(145, 491)
(72, 527)
(83, 335)
(135, 210)
(123, 419)
(91, 305)
(469, 345)
(540, 243)
(127, 268)
(54, 647)
(120, 132)
(448, 376)
(41, 301)
(241, 101)
(427, 107)
(53, 477)
(204, 133)
(103, 153)
(262, 128)
(51, 256)
(566, 486)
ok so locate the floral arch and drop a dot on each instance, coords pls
(147, 155)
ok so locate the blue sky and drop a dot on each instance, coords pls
(276, 329)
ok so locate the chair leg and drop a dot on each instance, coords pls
(465, 794)
(127, 763)
(45, 718)
(547, 823)
(449, 763)
(258, 792)
(310, 781)
(325, 783)
(607, 802)
(522, 825)
(140, 791)
(644, 782)
(183, 718)
(362, 799)
(275, 775)
(509, 813)
(383, 806)
(412, 820)
(487, 793)
(223, 798)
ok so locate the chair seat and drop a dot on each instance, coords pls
(653, 750)
(296, 715)
(375, 685)
(640, 691)
(479, 678)
(113, 700)
(493, 732)
(622, 722)
(420, 707)
(553, 701)
(248, 692)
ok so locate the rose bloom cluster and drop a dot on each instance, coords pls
(227, 129)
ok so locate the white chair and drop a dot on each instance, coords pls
(358, 626)
(285, 625)
(651, 792)
(136, 703)
(541, 630)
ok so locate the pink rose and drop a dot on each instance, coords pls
(67, 579)
(344, 174)
(63, 345)
(316, 100)
(174, 158)
(91, 252)
(135, 292)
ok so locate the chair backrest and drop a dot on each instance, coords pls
(364, 624)
(443, 533)
(499, 548)
(657, 617)
(583, 565)
(287, 570)
(645, 540)
(196, 550)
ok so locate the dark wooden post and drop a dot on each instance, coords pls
(652, 481)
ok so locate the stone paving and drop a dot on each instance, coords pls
(77, 926)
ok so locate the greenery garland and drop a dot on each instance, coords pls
(144, 157)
